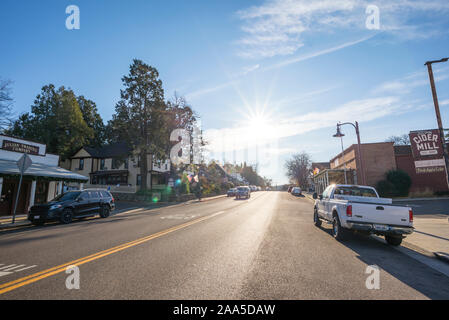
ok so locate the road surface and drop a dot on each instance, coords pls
(262, 248)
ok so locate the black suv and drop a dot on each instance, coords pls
(73, 204)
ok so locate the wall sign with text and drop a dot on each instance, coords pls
(20, 147)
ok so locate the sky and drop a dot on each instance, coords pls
(268, 78)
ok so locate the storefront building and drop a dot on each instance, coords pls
(41, 182)
(117, 168)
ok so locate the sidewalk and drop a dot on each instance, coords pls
(431, 236)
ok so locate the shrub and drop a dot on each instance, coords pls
(396, 184)
(401, 181)
(385, 188)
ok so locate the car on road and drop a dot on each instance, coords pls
(243, 192)
(73, 205)
(232, 192)
(359, 208)
(296, 191)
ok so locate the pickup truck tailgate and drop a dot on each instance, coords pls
(381, 214)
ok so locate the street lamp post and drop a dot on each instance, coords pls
(341, 135)
(359, 148)
(437, 111)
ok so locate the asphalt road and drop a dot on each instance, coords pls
(262, 248)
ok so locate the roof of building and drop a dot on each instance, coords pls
(321, 165)
(8, 167)
(115, 150)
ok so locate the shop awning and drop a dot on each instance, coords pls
(10, 168)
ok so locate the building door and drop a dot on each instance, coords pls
(7, 198)
(22, 204)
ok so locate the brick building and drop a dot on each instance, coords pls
(378, 158)
(430, 181)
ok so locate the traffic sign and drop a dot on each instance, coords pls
(24, 163)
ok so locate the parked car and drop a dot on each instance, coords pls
(296, 191)
(232, 192)
(73, 205)
(359, 208)
(253, 188)
(243, 192)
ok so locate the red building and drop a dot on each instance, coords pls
(429, 180)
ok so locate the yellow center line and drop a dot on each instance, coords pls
(9, 286)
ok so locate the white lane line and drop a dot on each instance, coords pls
(6, 267)
(6, 270)
(29, 267)
(4, 273)
(18, 266)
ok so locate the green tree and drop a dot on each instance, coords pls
(5, 104)
(56, 120)
(93, 121)
(140, 118)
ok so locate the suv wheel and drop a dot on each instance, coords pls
(66, 216)
(337, 230)
(316, 219)
(105, 212)
(394, 241)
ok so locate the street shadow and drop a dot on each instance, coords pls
(402, 267)
(6, 242)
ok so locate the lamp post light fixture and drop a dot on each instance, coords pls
(339, 134)
(437, 111)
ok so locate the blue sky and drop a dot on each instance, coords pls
(276, 74)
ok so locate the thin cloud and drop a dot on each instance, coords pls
(280, 27)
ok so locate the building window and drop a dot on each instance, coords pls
(81, 166)
(139, 180)
(115, 164)
(102, 164)
(126, 164)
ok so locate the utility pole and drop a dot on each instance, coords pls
(437, 111)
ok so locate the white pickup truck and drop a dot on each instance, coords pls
(359, 208)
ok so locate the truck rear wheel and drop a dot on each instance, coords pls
(393, 241)
(337, 230)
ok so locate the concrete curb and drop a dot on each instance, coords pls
(442, 256)
(419, 199)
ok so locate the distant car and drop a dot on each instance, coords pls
(232, 192)
(296, 191)
(73, 205)
(243, 192)
(259, 188)
(253, 188)
(267, 189)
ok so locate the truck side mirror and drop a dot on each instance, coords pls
(315, 195)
